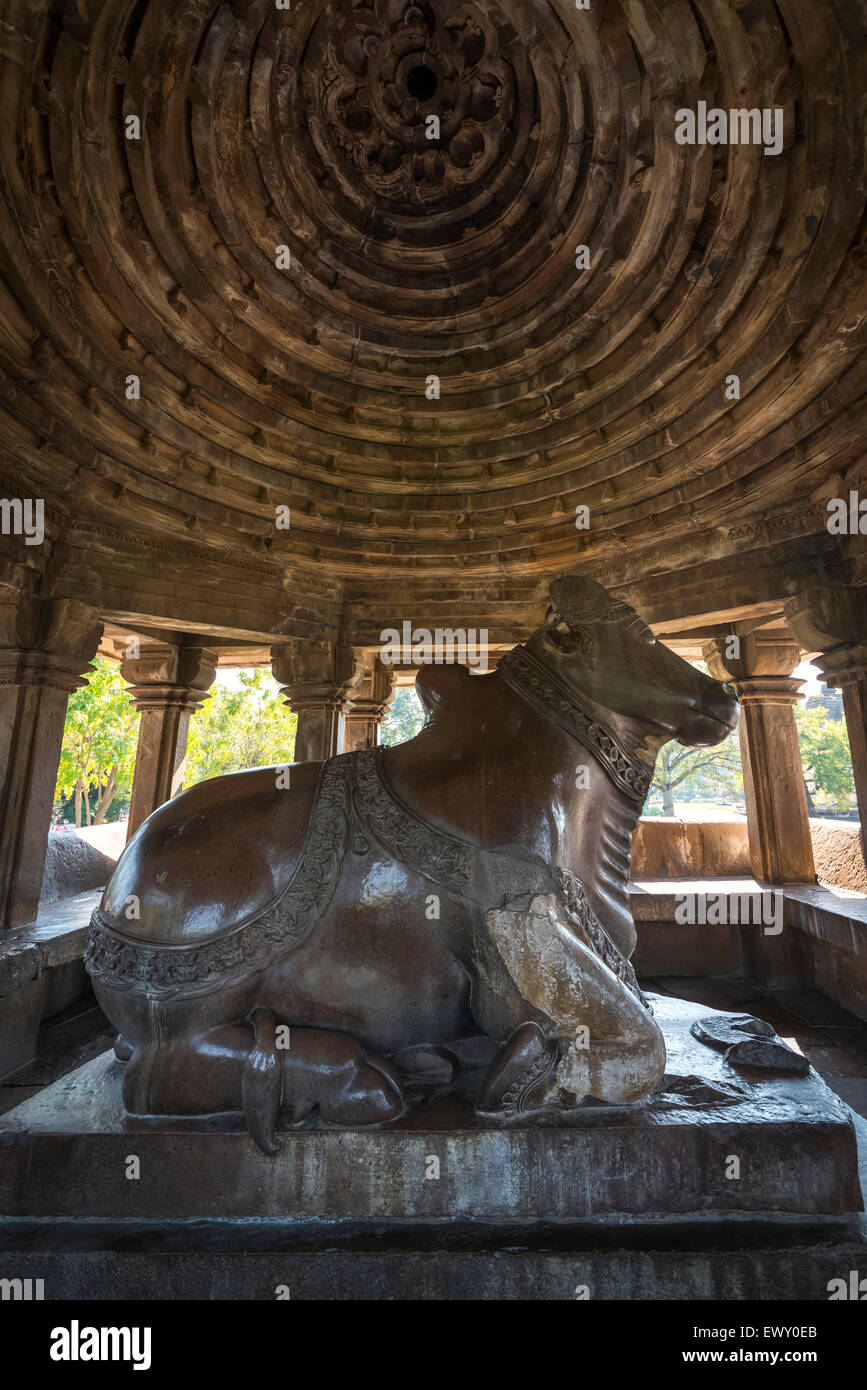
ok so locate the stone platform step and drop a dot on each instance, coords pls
(685, 1266)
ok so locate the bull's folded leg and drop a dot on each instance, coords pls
(264, 1069)
(599, 1040)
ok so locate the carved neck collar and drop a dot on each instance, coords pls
(559, 704)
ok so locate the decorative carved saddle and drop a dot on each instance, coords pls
(353, 805)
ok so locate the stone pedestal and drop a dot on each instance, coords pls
(64, 1152)
(370, 702)
(781, 850)
(629, 1201)
(45, 647)
(168, 683)
(316, 679)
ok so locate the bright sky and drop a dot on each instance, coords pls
(808, 673)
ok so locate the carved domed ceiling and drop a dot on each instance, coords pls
(303, 380)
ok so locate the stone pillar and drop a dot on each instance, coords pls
(46, 646)
(781, 848)
(168, 683)
(370, 702)
(317, 677)
(830, 622)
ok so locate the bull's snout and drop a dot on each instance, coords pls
(719, 703)
(713, 714)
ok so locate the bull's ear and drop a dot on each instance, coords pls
(561, 636)
(568, 640)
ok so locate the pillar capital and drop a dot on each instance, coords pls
(311, 669)
(168, 682)
(316, 678)
(769, 690)
(46, 641)
(737, 658)
(830, 622)
(166, 675)
(844, 665)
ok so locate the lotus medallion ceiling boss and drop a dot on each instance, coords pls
(286, 224)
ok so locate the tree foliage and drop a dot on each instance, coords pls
(99, 740)
(825, 754)
(247, 725)
(405, 718)
(705, 773)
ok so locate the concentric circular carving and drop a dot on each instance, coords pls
(367, 84)
(344, 262)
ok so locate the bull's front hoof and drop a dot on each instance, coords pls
(522, 1079)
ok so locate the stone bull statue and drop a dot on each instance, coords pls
(454, 906)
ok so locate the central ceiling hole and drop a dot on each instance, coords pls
(421, 83)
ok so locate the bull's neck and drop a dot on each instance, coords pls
(592, 836)
(597, 847)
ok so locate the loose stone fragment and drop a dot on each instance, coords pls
(769, 1053)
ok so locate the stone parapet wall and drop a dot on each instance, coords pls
(838, 854)
(667, 847)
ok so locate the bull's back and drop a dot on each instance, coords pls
(212, 858)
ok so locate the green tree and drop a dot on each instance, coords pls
(826, 757)
(241, 726)
(99, 739)
(405, 718)
(714, 773)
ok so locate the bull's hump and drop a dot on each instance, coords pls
(212, 858)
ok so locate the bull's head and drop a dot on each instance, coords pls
(600, 647)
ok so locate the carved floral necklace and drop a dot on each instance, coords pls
(557, 702)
